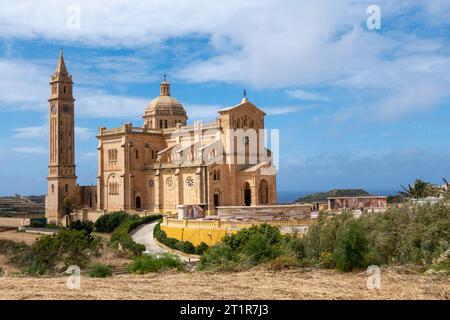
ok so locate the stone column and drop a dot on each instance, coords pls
(177, 187)
(157, 188)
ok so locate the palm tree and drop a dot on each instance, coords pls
(420, 189)
(446, 189)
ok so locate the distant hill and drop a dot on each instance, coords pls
(322, 196)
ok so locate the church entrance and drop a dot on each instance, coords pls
(247, 195)
(138, 202)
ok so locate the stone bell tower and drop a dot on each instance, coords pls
(61, 168)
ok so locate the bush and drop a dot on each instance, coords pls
(100, 271)
(56, 252)
(352, 249)
(87, 226)
(183, 246)
(11, 248)
(108, 222)
(201, 248)
(145, 264)
(220, 257)
(246, 248)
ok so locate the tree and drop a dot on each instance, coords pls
(446, 189)
(67, 210)
(420, 189)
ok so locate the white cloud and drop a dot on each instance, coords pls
(261, 43)
(36, 150)
(280, 110)
(305, 95)
(40, 133)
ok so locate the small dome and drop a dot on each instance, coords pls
(164, 111)
(165, 105)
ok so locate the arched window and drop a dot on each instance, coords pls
(64, 89)
(66, 188)
(137, 154)
(53, 188)
(165, 123)
(160, 124)
(263, 192)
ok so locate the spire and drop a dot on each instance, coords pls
(61, 66)
(244, 97)
(165, 87)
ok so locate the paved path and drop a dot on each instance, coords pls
(144, 235)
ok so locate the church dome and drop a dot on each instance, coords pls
(164, 110)
(165, 105)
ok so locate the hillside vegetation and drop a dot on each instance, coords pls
(322, 196)
(417, 236)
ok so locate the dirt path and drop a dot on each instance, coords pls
(253, 284)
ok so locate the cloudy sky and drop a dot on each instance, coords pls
(356, 108)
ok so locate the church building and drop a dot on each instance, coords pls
(163, 163)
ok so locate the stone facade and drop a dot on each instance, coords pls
(163, 163)
(61, 169)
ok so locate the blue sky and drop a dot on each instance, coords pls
(356, 108)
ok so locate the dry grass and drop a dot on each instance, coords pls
(253, 284)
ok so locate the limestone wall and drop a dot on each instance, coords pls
(14, 222)
(212, 231)
(301, 210)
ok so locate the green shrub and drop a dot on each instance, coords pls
(258, 248)
(246, 248)
(56, 252)
(144, 264)
(220, 257)
(201, 248)
(352, 249)
(100, 271)
(185, 246)
(87, 226)
(108, 222)
(11, 248)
